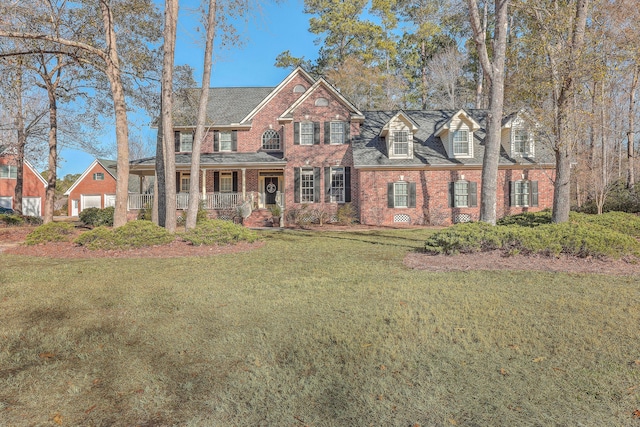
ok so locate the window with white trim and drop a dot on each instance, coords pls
(337, 185)
(337, 132)
(400, 143)
(225, 141)
(270, 140)
(307, 186)
(521, 193)
(8, 171)
(186, 142)
(322, 102)
(461, 143)
(401, 194)
(306, 133)
(226, 182)
(461, 194)
(521, 142)
(98, 176)
(185, 182)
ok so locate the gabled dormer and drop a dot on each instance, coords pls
(517, 135)
(456, 135)
(398, 135)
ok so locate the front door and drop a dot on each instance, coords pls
(74, 207)
(270, 189)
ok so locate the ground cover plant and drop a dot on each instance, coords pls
(613, 235)
(96, 217)
(50, 232)
(134, 234)
(318, 329)
(218, 232)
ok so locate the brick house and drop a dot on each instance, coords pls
(33, 185)
(303, 144)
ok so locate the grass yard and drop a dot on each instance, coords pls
(313, 329)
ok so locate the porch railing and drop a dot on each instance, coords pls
(211, 201)
(140, 201)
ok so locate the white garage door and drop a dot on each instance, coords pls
(31, 206)
(91, 202)
(6, 202)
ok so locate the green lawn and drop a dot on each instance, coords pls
(315, 329)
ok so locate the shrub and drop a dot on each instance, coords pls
(51, 232)
(466, 238)
(218, 232)
(11, 219)
(346, 214)
(134, 234)
(301, 216)
(146, 212)
(32, 220)
(527, 219)
(619, 221)
(95, 217)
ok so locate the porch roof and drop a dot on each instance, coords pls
(260, 159)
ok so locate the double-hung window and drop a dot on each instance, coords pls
(185, 182)
(337, 193)
(307, 186)
(400, 143)
(225, 141)
(461, 194)
(521, 193)
(186, 142)
(461, 143)
(226, 182)
(306, 133)
(337, 133)
(401, 194)
(8, 171)
(521, 142)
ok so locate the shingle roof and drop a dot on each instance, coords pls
(217, 159)
(369, 150)
(226, 105)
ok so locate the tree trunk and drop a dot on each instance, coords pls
(120, 109)
(631, 181)
(22, 141)
(169, 49)
(423, 89)
(194, 191)
(50, 194)
(159, 215)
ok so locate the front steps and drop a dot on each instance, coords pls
(259, 218)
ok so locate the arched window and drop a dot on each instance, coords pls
(322, 102)
(270, 140)
(299, 89)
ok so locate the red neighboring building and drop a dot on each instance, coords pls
(33, 185)
(95, 188)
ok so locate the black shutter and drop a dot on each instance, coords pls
(235, 182)
(216, 182)
(412, 195)
(512, 194)
(296, 185)
(451, 195)
(327, 132)
(176, 141)
(390, 196)
(533, 193)
(347, 132)
(347, 184)
(178, 182)
(327, 184)
(473, 194)
(296, 133)
(316, 185)
(316, 133)
(234, 140)
(216, 140)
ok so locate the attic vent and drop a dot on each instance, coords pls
(402, 218)
(462, 218)
(322, 102)
(299, 89)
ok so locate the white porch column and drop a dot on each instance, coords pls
(204, 183)
(244, 183)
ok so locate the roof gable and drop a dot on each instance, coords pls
(86, 172)
(462, 115)
(402, 117)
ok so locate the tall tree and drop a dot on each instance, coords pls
(494, 71)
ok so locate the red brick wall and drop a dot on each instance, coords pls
(32, 186)
(432, 202)
(89, 187)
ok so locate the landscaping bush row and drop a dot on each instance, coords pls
(605, 236)
(18, 220)
(96, 217)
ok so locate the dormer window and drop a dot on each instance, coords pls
(521, 143)
(461, 145)
(400, 143)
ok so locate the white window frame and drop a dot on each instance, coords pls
(225, 141)
(9, 171)
(401, 194)
(185, 182)
(525, 143)
(307, 185)
(98, 176)
(456, 139)
(337, 133)
(521, 193)
(270, 140)
(461, 194)
(186, 142)
(226, 182)
(400, 143)
(307, 133)
(337, 185)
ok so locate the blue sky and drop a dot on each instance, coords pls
(277, 28)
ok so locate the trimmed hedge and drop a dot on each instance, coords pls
(95, 217)
(134, 234)
(218, 232)
(51, 232)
